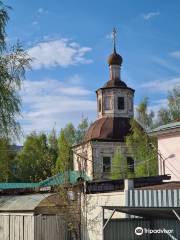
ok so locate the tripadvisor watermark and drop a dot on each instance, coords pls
(140, 231)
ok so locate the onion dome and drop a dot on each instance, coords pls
(115, 59)
(109, 129)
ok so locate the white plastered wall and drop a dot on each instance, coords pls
(169, 147)
(92, 213)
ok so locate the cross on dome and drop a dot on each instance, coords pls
(114, 58)
(114, 33)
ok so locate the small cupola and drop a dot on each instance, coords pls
(115, 98)
(115, 59)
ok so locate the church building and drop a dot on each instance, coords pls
(107, 134)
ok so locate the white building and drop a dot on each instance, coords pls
(108, 132)
(168, 137)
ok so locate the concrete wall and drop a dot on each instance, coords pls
(92, 213)
(169, 147)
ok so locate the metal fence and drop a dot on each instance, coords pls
(30, 227)
(124, 229)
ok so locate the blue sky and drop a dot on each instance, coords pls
(70, 42)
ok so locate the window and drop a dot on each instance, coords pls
(106, 164)
(99, 105)
(130, 164)
(120, 103)
(107, 103)
(79, 164)
(130, 101)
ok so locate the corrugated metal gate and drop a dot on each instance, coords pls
(124, 229)
(30, 227)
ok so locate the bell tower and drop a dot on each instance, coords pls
(115, 98)
(108, 133)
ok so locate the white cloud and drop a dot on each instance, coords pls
(35, 23)
(166, 64)
(59, 52)
(157, 104)
(150, 15)
(50, 101)
(161, 86)
(75, 80)
(109, 36)
(175, 54)
(42, 10)
(79, 91)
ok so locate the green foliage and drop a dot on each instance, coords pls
(3, 22)
(44, 155)
(81, 130)
(143, 116)
(172, 111)
(119, 166)
(140, 147)
(7, 163)
(53, 147)
(4, 160)
(13, 63)
(64, 161)
(70, 133)
(37, 158)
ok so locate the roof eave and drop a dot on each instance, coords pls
(115, 87)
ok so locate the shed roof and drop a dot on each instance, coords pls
(71, 176)
(17, 185)
(167, 127)
(164, 185)
(21, 202)
(55, 180)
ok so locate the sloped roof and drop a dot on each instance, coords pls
(18, 185)
(167, 127)
(109, 129)
(21, 202)
(164, 185)
(58, 179)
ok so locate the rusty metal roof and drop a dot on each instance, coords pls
(109, 129)
(117, 83)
